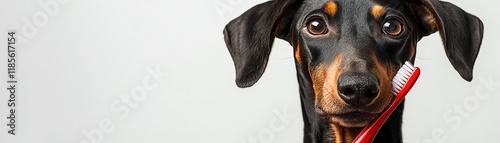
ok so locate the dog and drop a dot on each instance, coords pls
(347, 52)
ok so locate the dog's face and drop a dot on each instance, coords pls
(351, 50)
(347, 51)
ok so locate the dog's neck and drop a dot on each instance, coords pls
(343, 134)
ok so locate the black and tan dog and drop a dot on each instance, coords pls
(346, 54)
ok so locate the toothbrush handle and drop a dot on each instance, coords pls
(370, 131)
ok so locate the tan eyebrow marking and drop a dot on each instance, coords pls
(377, 11)
(330, 8)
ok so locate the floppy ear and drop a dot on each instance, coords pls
(461, 32)
(249, 37)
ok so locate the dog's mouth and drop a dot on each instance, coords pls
(351, 118)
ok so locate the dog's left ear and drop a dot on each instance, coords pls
(461, 32)
(249, 37)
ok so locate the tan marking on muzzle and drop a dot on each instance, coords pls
(384, 74)
(297, 54)
(324, 80)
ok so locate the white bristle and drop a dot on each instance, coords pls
(409, 65)
(402, 77)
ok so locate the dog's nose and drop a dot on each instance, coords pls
(358, 88)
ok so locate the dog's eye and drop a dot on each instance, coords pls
(393, 28)
(316, 27)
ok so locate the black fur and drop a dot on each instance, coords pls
(249, 39)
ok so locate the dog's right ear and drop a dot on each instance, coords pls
(249, 37)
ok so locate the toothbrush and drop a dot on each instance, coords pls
(402, 83)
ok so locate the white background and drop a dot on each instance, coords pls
(86, 55)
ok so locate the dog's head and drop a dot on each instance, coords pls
(348, 51)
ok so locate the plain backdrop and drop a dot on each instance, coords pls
(84, 58)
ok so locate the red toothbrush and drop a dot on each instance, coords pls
(402, 83)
